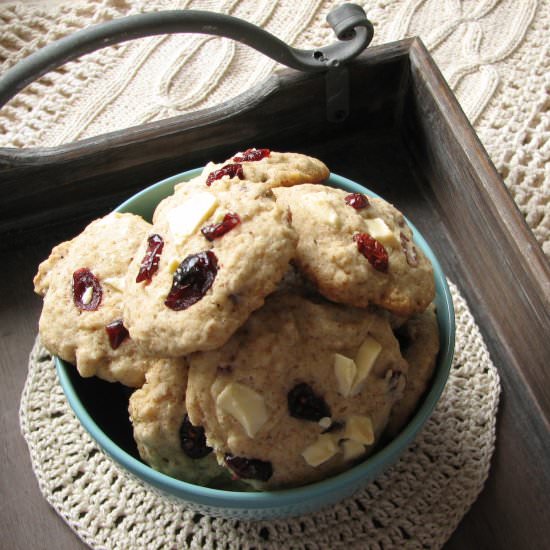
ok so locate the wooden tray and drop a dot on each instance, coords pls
(407, 139)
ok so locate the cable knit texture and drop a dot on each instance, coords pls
(494, 55)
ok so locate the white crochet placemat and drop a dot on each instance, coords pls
(417, 503)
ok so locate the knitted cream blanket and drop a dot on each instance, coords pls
(494, 54)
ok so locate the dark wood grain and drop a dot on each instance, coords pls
(506, 280)
(407, 139)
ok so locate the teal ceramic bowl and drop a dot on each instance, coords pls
(102, 409)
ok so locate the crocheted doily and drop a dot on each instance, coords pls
(417, 503)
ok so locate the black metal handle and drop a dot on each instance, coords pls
(348, 21)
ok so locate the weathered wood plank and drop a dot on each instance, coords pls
(506, 280)
(41, 185)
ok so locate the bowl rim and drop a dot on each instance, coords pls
(368, 468)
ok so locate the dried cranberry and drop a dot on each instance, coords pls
(193, 439)
(357, 200)
(83, 298)
(251, 155)
(304, 403)
(117, 333)
(230, 170)
(150, 262)
(249, 468)
(217, 230)
(192, 279)
(409, 250)
(372, 250)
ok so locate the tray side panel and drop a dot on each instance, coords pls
(493, 257)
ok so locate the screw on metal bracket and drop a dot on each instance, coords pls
(346, 21)
(337, 94)
(353, 30)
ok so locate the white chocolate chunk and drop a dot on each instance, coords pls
(332, 217)
(117, 283)
(173, 265)
(378, 229)
(218, 215)
(352, 449)
(325, 422)
(245, 405)
(184, 219)
(320, 207)
(359, 429)
(366, 357)
(320, 451)
(345, 370)
(87, 295)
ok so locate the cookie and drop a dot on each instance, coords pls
(358, 250)
(301, 391)
(82, 283)
(419, 339)
(165, 438)
(271, 168)
(223, 250)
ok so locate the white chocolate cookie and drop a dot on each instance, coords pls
(419, 339)
(165, 438)
(223, 250)
(82, 283)
(277, 405)
(358, 250)
(271, 168)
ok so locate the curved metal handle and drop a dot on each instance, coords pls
(349, 22)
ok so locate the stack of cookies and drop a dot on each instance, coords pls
(275, 329)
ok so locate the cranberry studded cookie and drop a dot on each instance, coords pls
(301, 391)
(358, 250)
(419, 339)
(82, 283)
(264, 166)
(211, 258)
(165, 437)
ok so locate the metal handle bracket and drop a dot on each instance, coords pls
(349, 22)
